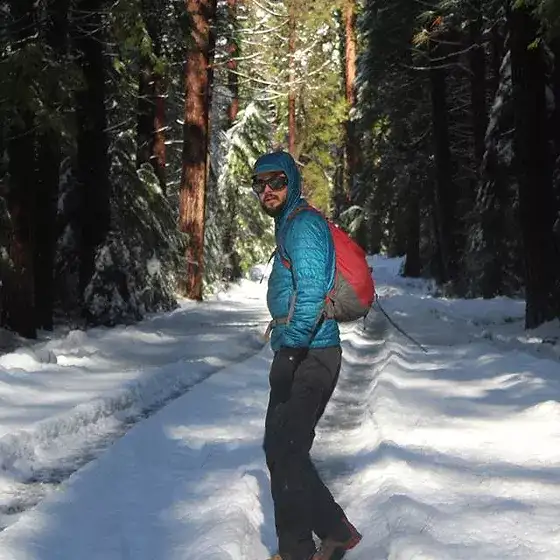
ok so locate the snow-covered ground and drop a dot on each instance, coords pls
(449, 454)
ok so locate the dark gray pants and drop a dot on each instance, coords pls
(302, 502)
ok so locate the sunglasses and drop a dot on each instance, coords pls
(276, 183)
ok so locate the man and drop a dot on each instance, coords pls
(304, 372)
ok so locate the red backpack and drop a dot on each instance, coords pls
(354, 288)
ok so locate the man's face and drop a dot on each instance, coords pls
(272, 189)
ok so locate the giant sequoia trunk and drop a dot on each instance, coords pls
(537, 205)
(49, 157)
(195, 142)
(18, 288)
(445, 187)
(92, 171)
(151, 98)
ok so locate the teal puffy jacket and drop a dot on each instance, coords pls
(306, 241)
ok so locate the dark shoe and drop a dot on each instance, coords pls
(335, 547)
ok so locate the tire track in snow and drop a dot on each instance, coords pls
(36, 462)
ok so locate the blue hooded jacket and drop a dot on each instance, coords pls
(305, 239)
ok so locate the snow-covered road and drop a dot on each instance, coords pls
(453, 454)
(65, 400)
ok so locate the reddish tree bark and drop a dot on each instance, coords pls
(151, 122)
(351, 147)
(151, 103)
(195, 142)
(233, 51)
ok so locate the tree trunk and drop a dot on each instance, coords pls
(19, 312)
(233, 51)
(413, 264)
(537, 205)
(496, 58)
(445, 187)
(48, 164)
(151, 99)
(339, 198)
(195, 142)
(292, 95)
(49, 158)
(495, 243)
(555, 119)
(233, 261)
(20, 305)
(477, 60)
(92, 141)
(351, 141)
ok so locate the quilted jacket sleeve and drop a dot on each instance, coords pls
(310, 250)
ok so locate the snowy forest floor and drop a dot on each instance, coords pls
(144, 442)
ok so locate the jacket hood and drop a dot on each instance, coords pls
(282, 161)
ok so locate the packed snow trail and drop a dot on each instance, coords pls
(452, 454)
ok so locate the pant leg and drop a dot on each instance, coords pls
(302, 501)
(327, 514)
(280, 390)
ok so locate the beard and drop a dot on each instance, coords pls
(275, 211)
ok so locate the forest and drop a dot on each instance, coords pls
(128, 129)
